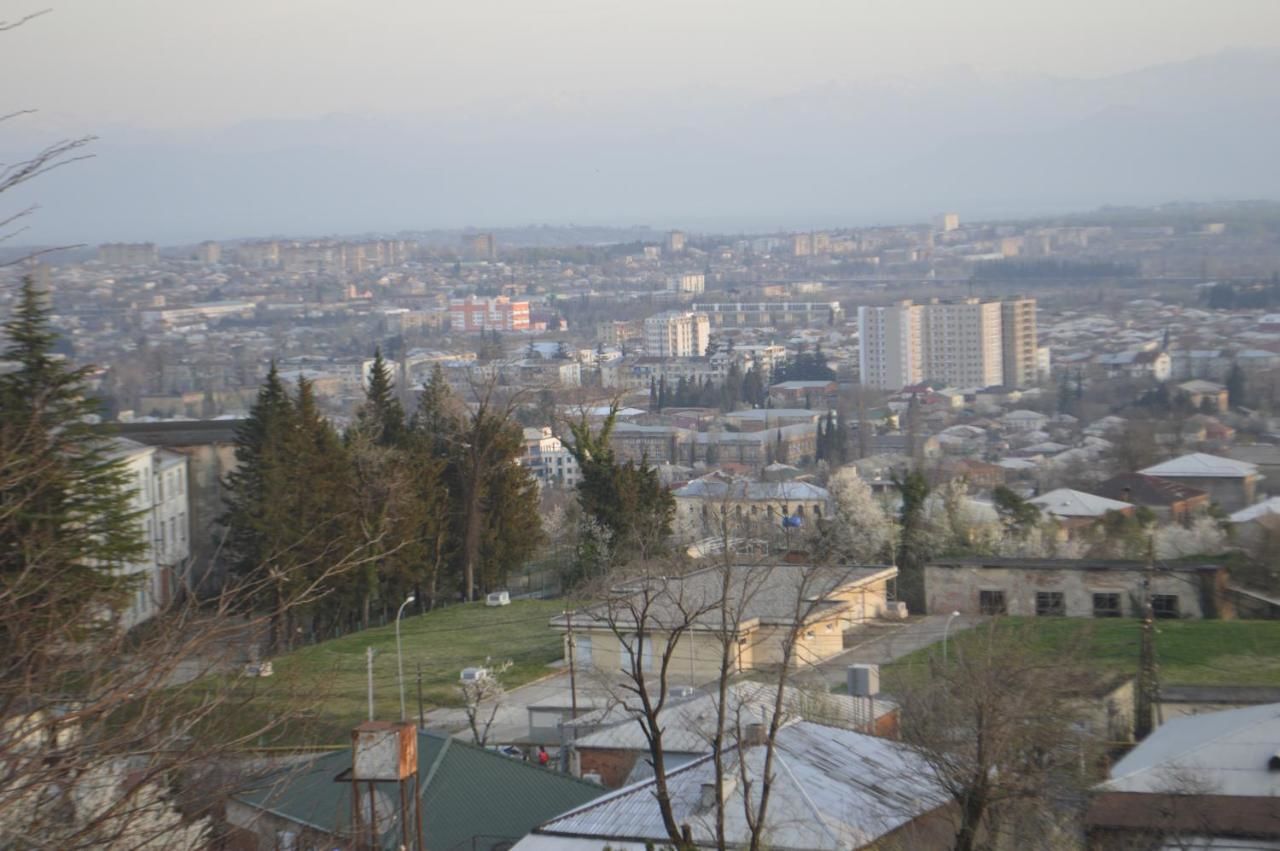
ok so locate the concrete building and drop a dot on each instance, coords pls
(675, 242)
(480, 246)
(706, 505)
(157, 481)
(209, 253)
(547, 460)
(946, 222)
(689, 283)
(890, 346)
(772, 314)
(128, 253)
(473, 314)
(963, 343)
(1230, 483)
(1078, 588)
(1018, 341)
(762, 595)
(677, 335)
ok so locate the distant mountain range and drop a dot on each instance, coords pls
(862, 153)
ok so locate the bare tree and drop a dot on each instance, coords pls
(482, 697)
(1000, 728)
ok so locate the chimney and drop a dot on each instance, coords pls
(753, 735)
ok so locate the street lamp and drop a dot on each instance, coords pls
(399, 657)
(945, 630)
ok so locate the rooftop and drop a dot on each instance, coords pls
(1065, 502)
(1199, 464)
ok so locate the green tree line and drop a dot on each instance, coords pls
(431, 503)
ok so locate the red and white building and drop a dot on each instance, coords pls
(473, 314)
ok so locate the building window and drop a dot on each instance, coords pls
(1107, 606)
(1050, 603)
(1165, 605)
(991, 602)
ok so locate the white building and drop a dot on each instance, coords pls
(691, 282)
(890, 350)
(677, 334)
(547, 460)
(158, 483)
(961, 343)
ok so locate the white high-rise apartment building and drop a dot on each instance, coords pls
(889, 345)
(962, 343)
(677, 335)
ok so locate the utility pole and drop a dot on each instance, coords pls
(1148, 687)
(422, 718)
(368, 654)
(573, 680)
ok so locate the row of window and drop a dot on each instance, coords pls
(1053, 604)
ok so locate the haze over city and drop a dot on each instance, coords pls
(220, 121)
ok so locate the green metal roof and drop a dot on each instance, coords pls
(468, 793)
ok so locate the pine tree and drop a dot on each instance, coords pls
(255, 487)
(1235, 386)
(67, 521)
(381, 416)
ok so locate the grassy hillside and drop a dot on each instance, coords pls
(1188, 652)
(323, 689)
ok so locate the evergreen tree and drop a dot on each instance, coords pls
(625, 504)
(255, 487)
(381, 416)
(1235, 386)
(66, 517)
(913, 545)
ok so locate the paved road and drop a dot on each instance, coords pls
(880, 642)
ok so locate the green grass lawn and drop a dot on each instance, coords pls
(1189, 652)
(323, 688)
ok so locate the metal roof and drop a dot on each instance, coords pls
(1224, 752)
(1065, 502)
(1200, 464)
(467, 792)
(832, 789)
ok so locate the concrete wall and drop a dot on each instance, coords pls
(949, 589)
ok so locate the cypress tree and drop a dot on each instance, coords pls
(67, 522)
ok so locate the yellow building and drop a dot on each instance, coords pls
(645, 617)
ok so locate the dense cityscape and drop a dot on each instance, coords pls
(956, 534)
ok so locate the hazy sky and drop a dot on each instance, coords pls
(174, 63)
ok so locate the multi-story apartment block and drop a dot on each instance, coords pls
(962, 343)
(1018, 338)
(675, 242)
(128, 253)
(772, 313)
(472, 315)
(209, 253)
(890, 345)
(692, 282)
(547, 460)
(677, 334)
(480, 246)
(157, 480)
(967, 343)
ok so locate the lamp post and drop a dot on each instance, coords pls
(399, 656)
(946, 629)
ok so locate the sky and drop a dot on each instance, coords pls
(240, 118)
(195, 63)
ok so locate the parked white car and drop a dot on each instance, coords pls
(474, 675)
(498, 598)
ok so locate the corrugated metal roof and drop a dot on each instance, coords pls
(1226, 753)
(832, 789)
(468, 792)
